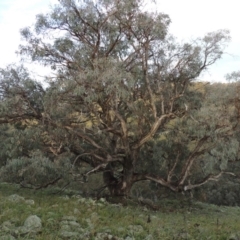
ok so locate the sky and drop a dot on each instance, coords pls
(190, 19)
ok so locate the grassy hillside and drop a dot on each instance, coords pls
(69, 216)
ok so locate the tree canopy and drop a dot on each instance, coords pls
(123, 97)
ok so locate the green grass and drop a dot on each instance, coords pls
(174, 219)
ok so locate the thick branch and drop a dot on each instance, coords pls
(123, 124)
(191, 159)
(210, 177)
(162, 182)
(153, 130)
(96, 169)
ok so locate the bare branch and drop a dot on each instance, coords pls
(191, 159)
(123, 123)
(100, 167)
(162, 182)
(153, 130)
(85, 137)
(210, 177)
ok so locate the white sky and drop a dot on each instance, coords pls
(190, 18)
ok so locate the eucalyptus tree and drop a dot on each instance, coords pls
(122, 96)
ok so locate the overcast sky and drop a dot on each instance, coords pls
(190, 19)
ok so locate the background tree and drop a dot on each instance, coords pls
(122, 98)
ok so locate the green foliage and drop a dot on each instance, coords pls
(225, 192)
(35, 171)
(123, 94)
(19, 93)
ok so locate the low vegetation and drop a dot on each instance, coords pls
(98, 219)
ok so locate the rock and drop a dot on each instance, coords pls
(70, 228)
(149, 237)
(76, 211)
(234, 236)
(104, 236)
(129, 238)
(22, 231)
(74, 224)
(6, 227)
(30, 202)
(33, 224)
(135, 229)
(65, 228)
(16, 198)
(69, 235)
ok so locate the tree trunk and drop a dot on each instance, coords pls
(119, 186)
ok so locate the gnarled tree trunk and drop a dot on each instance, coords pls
(119, 186)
